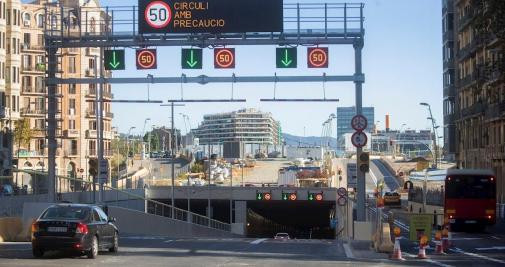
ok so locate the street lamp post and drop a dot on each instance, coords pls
(434, 132)
(128, 150)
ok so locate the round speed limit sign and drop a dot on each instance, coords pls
(158, 14)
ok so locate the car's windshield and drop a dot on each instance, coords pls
(72, 213)
(282, 234)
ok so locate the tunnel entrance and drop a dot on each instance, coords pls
(300, 219)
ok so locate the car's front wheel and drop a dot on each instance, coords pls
(115, 243)
(93, 251)
(37, 253)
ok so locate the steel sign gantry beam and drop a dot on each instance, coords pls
(335, 24)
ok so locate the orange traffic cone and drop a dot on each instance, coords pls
(397, 251)
(438, 243)
(422, 247)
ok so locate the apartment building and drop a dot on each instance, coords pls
(478, 109)
(76, 115)
(10, 63)
(249, 126)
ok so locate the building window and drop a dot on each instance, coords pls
(71, 88)
(71, 106)
(71, 65)
(40, 124)
(40, 20)
(71, 124)
(92, 125)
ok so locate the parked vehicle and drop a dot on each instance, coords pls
(74, 227)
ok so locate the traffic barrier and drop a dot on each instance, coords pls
(422, 248)
(397, 251)
(438, 243)
(445, 239)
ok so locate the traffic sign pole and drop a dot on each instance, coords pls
(360, 175)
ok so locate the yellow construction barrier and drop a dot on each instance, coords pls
(11, 229)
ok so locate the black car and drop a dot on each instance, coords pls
(74, 227)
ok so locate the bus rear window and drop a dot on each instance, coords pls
(466, 186)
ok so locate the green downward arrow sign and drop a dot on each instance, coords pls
(114, 63)
(286, 57)
(286, 61)
(191, 62)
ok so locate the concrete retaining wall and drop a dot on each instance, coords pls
(139, 223)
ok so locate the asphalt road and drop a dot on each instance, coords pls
(163, 251)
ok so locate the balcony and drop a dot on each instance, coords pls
(38, 68)
(71, 153)
(89, 73)
(497, 152)
(71, 133)
(39, 131)
(90, 113)
(22, 153)
(474, 110)
(92, 51)
(449, 91)
(26, 47)
(466, 19)
(73, 50)
(30, 90)
(92, 134)
(109, 115)
(449, 64)
(33, 112)
(108, 95)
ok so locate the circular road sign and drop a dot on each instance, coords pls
(359, 122)
(292, 196)
(342, 201)
(224, 58)
(146, 59)
(359, 139)
(318, 57)
(267, 196)
(342, 191)
(158, 14)
(319, 197)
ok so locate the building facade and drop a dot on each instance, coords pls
(479, 83)
(76, 114)
(249, 126)
(449, 77)
(344, 117)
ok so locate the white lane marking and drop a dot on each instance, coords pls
(491, 248)
(495, 237)
(428, 260)
(168, 241)
(466, 238)
(458, 250)
(348, 251)
(257, 241)
(373, 177)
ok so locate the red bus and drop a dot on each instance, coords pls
(464, 196)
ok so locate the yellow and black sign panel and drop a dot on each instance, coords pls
(210, 16)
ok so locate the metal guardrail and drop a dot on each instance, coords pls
(152, 206)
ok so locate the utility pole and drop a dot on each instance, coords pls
(435, 135)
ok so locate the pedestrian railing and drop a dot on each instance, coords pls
(122, 198)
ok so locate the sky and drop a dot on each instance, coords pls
(402, 62)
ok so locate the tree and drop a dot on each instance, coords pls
(22, 136)
(23, 133)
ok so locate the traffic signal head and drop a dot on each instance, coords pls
(289, 196)
(364, 162)
(263, 196)
(315, 196)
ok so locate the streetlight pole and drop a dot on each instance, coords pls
(128, 150)
(434, 132)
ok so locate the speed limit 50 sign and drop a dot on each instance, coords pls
(146, 59)
(158, 14)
